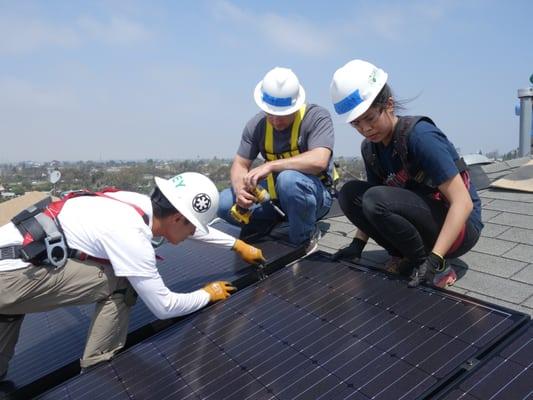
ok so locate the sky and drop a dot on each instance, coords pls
(133, 80)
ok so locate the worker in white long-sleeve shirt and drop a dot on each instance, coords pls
(96, 248)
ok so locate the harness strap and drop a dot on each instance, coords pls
(10, 252)
(55, 208)
(269, 147)
(401, 135)
(81, 256)
(43, 238)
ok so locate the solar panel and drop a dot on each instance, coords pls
(315, 330)
(508, 375)
(53, 340)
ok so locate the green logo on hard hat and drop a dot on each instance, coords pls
(372, 77)
(178, 181)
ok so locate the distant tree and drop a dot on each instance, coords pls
(510, 155)
(493, 154)
(18, 190)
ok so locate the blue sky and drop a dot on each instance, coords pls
(90, 80)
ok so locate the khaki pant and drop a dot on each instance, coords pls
(37, 289)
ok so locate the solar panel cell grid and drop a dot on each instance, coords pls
(320, 330)
(62, 332)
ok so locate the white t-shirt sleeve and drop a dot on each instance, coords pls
(130, 252)
(216, 237)
(166, 304)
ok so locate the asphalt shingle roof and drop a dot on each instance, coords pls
(499, 269)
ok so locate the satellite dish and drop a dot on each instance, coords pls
(54, 176)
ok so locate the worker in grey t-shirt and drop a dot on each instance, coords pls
(296, 141)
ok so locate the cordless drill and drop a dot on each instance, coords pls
(242, 215)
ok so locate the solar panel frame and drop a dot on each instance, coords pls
(327, 315)
(43, 361)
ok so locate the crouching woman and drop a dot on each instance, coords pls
(418, 201)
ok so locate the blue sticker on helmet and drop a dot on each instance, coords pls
(277, 101)
(348, 103)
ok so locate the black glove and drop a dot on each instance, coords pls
(352, 251)
(425, 271)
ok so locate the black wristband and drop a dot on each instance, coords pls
(436, 262)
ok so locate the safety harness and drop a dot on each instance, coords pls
(294, 150)
(44, 242)
(409, 172)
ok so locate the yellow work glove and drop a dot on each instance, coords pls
(250, 254)
(219, 290)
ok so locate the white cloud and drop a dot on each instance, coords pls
(26, 35)
(300, 35)
(291, 33)
(115, 31)
(225, 10)
(295, 34)
(396, 22)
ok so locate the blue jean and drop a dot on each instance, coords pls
(303, 198)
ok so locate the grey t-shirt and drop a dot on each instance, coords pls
(316, 130)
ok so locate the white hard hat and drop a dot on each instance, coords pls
(280, 92)
(194, 195)
(355, 86)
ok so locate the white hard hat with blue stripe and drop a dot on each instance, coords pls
(280, 92)
(354, 88)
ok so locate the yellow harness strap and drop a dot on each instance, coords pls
(269, 147)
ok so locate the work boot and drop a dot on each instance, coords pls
(312, 244)
(392, 265)
(399, 266)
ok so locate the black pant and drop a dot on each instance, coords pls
(404, 222)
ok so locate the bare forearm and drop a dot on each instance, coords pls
(311, 162)
(455, 220)
(460, 208)
(238, 172)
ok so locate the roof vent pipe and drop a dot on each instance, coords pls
(526, 120)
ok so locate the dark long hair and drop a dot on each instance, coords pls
(383, 97)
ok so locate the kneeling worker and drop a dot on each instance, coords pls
(107, 239)
(296, 140)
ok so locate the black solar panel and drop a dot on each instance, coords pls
(316, 330)
(508, 375)
(56, 339)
